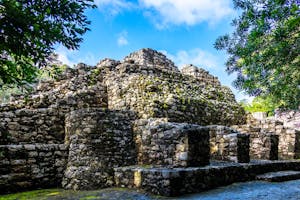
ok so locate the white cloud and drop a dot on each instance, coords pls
(71, 57)
(64, 55)
(167, 12)
(113, 6)
(196, 57)
(189, 12)
(122, 39)
(89, 59)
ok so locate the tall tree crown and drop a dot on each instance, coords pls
(30, 28)
(264, 49)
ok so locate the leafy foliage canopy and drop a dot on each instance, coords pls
(29, 29)
(264, 49)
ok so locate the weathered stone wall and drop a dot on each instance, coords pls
(171, 144)
(259, 115)
(263, 145)
(289, 118)
(32, 129)
(31, 166)
(99, 140)
(200, 74)
(151, 59)
(35, 117)
(228, 145)
(145, 82)
(154, 93)
(179, 181)
(31, 149)
(288, 141)
(77, 88)
(29, 126)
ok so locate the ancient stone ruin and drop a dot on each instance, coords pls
(289, 118)
(139, 122)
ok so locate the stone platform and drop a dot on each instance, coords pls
(179, 181)
(279, 176)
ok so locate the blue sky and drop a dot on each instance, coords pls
(184, 30)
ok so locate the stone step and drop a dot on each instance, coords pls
(279, 176)
(176, 181)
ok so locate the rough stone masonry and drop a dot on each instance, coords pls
(72, 131)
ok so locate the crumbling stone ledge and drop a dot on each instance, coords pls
(179, 181)
(31, 166)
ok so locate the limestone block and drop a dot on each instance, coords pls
(227, 145)
(98, 140)
(173, 144)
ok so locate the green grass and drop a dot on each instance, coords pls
(90, 198)
(58, 194)
(32, 195)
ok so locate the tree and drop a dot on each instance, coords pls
(52, 70)
(29, 29)
(264, 49)
(260, 104)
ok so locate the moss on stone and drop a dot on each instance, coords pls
(165, 106)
